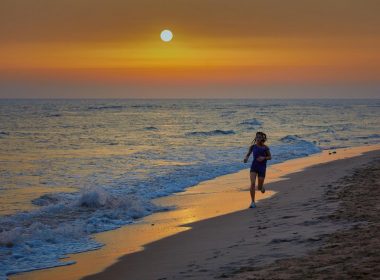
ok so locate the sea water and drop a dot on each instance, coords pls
(71, 168)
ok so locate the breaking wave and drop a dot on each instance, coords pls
(210, 133)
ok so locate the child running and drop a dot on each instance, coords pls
(261, 154)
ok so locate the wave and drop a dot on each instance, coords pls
(148, 106)
(228, 113)
(331, 128)
(370, 136)
(210, 133)
(334, 147)
(63, 224)
(294, 146)
(150, 128)
(54, 115)
(106, 107)
(290, 139)
(4, 133)
(252, 122)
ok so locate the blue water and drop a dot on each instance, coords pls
(70, 168)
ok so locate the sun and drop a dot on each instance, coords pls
(166, 35)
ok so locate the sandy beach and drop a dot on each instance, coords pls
(282, 238)
(351, 253)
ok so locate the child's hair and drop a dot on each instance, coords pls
(262, 134)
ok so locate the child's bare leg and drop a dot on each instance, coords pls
(252, 188)
(260, 182)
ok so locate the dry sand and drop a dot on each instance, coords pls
(346, 254)
(321, 223)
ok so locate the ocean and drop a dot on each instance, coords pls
(71, 168)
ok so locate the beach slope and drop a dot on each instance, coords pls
(351, 253)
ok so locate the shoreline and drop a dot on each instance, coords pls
(196, 204)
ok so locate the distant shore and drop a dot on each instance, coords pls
(233, 240)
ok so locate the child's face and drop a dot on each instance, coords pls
(259, 139)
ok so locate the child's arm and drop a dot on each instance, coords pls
(248, 154)
(269, 156)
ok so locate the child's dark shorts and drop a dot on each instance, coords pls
(259, 169)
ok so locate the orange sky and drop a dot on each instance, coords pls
(238, 42)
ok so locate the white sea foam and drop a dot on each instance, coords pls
(40, 238)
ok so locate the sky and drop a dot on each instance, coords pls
(93, 48)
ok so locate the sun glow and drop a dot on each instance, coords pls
(166, 35)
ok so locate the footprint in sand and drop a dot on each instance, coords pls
(262, 227)
(288, 217)
(282, 240)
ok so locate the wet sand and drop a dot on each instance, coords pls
(291, 224)
(287, 224)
